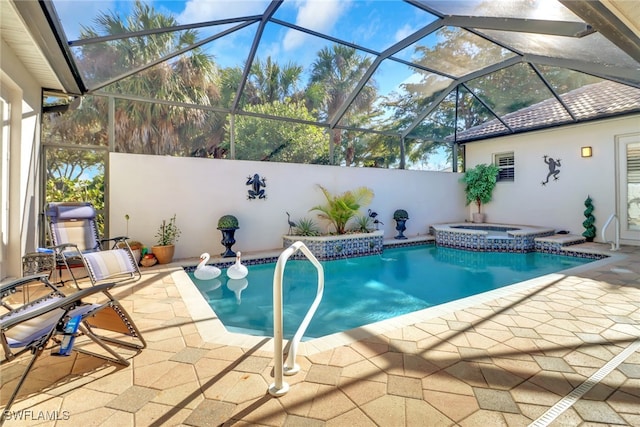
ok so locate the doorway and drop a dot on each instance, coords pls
(628, 180)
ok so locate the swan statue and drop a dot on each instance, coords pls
(206, 272)
(237, 286)
(237, 270)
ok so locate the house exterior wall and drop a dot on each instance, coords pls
(559, 203)
(199, 191)
(19, 176)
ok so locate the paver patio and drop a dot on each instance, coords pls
(503, 361)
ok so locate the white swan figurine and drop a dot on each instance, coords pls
(237, 270)
(206, 272)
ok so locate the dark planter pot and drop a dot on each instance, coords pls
(400, 226)
(228, 240)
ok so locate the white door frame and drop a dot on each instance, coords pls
(629, 235)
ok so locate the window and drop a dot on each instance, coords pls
(506, 166)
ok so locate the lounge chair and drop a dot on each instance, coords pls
(32, 326)
(74, 237)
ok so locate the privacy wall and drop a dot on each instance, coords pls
(199, 191)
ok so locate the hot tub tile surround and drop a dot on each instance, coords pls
(327, 248)
(515, 238)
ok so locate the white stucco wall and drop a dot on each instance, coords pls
(21, 144)
(560, 203)
(199, 191)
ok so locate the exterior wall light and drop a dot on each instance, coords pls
(586, 152)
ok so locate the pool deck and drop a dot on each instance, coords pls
(559, 350)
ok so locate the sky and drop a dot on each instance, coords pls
(375, 24)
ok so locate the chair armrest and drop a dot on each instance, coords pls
(67, 303)
(9, 288)
(115, 241)
(61, 247)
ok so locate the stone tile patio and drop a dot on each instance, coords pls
(503, 359)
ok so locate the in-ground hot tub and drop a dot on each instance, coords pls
(489, 237)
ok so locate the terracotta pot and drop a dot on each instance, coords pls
(164, 254)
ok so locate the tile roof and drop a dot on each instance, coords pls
(588, 102)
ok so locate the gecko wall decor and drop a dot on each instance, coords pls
(554, 171)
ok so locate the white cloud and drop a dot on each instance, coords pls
(317, 15)
(210, 10)
(404, 32)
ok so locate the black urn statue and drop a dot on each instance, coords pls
(400, 216)
(228, 224)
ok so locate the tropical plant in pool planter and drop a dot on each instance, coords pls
(228, 224)
(588, 224)
(480, 182)
(340, 208)
(306, 227)
(363, 224)
(400, 216)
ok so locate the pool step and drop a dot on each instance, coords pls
(555, 243)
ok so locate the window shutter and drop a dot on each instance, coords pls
(506, 165)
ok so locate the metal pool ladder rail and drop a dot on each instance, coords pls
(279, 387)
(615, 245)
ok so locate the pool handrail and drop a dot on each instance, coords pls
(279, 387)
(615, 244)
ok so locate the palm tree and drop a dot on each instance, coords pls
(334, 75)
(269, 82)
(147, 127)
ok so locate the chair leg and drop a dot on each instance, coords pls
(36, 353)
(116, 357)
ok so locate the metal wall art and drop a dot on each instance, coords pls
(553, 168)
(256, 190)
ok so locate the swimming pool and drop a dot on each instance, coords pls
(360, 291)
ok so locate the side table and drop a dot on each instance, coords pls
(38, 262)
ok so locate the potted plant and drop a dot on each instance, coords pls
(136, 248)
(588, 224)
(340, 208)
(400, 216)
(228, 224)
(167, 236)
(134, 245)
(480, 182)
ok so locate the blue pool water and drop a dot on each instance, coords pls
(359, 291)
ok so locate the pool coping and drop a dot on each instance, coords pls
(213, 331)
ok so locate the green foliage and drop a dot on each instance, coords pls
(66, 182)
(588, 223)
(306, 227)
(363, 224)
(168, 232)
(342, 207)
(400, 214)
(228, 221)
(261, 139)
(480, 182)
